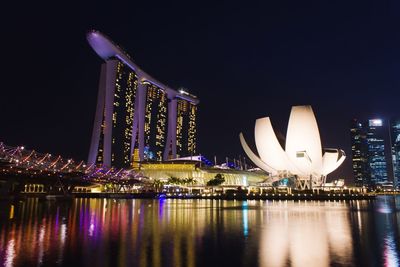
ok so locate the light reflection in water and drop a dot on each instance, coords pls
(245, 219)
(391, 254)
(91, 227)
(101, 232)
(305, 234)
(41, 239)
(10, 253)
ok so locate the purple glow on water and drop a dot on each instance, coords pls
(89, 232)
(391, 253)
(57, 216)
(161, 207)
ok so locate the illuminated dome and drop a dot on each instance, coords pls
(303, 156)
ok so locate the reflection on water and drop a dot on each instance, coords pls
(101, 232)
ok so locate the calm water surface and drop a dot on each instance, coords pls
(100, 232)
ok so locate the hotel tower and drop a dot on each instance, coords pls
(137, 117)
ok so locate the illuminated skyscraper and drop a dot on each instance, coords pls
(155, 125)
(137, 117)
(186, 128)
(369, 142)
(359, 150)
(376, 133)
(395, 145)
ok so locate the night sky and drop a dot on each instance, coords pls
(244, 60)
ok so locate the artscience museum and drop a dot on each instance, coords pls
(303, 159)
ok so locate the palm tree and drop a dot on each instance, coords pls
(190, 181)
(218, 180)
(174, 181)
(158, 185)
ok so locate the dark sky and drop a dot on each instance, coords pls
(244, 60)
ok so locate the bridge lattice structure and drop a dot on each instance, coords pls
(20, 161)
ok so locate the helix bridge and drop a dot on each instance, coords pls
(27, 166)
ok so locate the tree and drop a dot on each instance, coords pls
(218, 180)
(190, 181)
(158, 185)
(174, 180)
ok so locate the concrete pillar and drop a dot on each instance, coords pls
(98, 120)
(170, 145)
(135, 122)
(111, 72)
(139, 118)
(141, 110)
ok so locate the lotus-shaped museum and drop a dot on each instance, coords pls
(303, 157)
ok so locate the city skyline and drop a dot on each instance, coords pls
(375, 151)
(200, 133)
(344, 69)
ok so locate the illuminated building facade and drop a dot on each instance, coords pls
(186, 128)
(155, 125)
(371, 163)
(183, 169)
(376, 133)
(137, 117)
(359, 149)
(395, 144)
(303, 157)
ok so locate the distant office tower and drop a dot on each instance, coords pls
(137, 118)
(369, 145)
(395, 145)
(359, 150)
(376, 133)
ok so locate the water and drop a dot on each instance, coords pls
(100, 232)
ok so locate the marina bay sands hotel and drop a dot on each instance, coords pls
(137, 117)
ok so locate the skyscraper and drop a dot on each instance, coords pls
(137, 117)
(186, 128)
(359, 150)
(395, 145)
(369, 147)
(376, 133)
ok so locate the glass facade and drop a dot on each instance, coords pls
(186, 129)
(156, 122)
(359, 149)
(369, 150)
(376, 151)
(395, 140)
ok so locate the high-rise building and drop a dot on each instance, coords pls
(155, 125)
(395, 145)
(369, 149)
(376, 133)
(137, 117)
(186, 128)
(359, 150)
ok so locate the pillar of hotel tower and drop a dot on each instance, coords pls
(170, 145)
(139, 118)
(104, 104)
(108, 111)
(94, 144)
